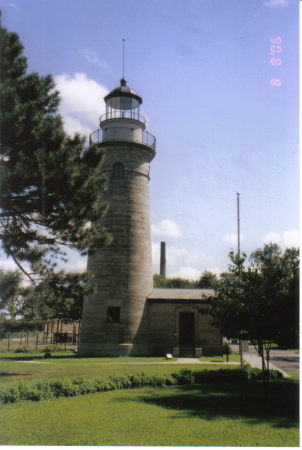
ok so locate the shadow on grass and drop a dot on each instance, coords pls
(6, 374)
(24, 357)
(243, 401)
(73, 356)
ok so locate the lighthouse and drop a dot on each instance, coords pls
(114, 319)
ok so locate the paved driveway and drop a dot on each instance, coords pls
(282, 359)
(285, 360)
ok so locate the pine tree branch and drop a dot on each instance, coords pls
(21, 267)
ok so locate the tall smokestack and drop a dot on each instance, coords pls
(163, 259)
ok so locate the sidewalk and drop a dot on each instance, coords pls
(255, 361)
(196, 361)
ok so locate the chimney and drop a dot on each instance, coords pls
(163, 259)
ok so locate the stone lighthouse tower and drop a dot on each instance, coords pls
(114, 316)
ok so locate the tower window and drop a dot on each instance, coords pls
(118, 170)
(113, 314)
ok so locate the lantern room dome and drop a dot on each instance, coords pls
(123, 97)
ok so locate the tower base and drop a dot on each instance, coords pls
(113, 349)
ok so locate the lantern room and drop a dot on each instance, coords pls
(123, 102)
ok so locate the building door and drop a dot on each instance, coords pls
(186, 334)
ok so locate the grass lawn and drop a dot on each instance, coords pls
(294, 375)
(221, 414)
(208, 415)
(30, 366)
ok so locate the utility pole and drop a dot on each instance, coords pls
(238, 222)
(238, 253)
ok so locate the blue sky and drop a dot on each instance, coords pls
(204, 70)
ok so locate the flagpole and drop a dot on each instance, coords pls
(238, 253)
(238, 222)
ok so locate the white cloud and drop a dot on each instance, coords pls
(73, 125)
(81, 102)
(272, 237)
(232, 238)
(275, 3)
(291, 238)
(8, 265)
(182, 263)
(166, 228)
(177, 256)
(155, 253)
(286, 239)
(75, 261)
(77, 265)
(92, 57)
(190, 273)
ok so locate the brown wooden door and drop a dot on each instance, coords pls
(186, 333)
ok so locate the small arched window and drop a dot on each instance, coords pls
(118, 170)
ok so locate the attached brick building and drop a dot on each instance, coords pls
(179, 324)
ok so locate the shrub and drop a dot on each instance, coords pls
(30, 392)
(9, 395)
(66, 387)
(185, 376)
(85, 385)
(256, 374)
(103, 385)
(122, 382)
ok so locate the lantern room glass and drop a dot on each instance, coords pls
(122, 106)
(122, 102)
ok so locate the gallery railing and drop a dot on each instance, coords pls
(123, 134)
(122, 114)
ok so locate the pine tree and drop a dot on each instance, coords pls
(50, 183)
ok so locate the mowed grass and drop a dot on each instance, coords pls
(27, 367)
(221, 414)
(217, 415)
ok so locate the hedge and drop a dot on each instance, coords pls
(67, 387)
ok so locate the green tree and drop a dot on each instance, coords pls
(208, 280)
(260, 302)
(10, 292)
(280, 286)
(59, 295)
(50, 183)
(160, 281)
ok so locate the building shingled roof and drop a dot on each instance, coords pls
(180, 294)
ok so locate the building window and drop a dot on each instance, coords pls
(113, 314)
(118, 170)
